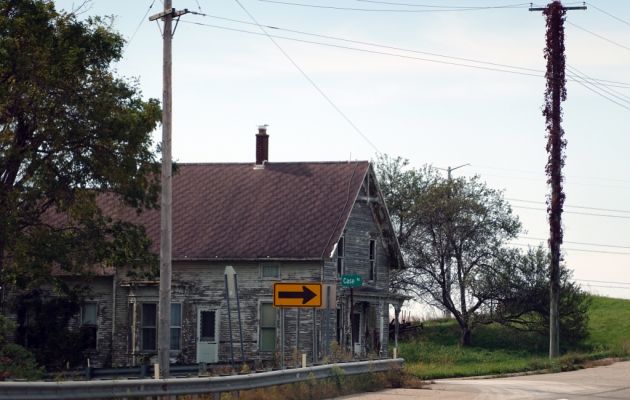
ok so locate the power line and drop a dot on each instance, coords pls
(539, 173)
(581, 243)
(615, 93)
(609, 14)
(583, 207)
(581, 250)
(612, 282)
(538, 72)
(577, 212)
(598, 35)
(308, 78)
(140, 23)
(466, 8)
(369, 51)
(608, 287)
(444, 9)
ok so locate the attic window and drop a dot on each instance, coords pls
(270, 271)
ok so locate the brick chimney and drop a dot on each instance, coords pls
(262, 145)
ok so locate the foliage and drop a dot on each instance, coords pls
(15, 361)
(70, 130)
(522, 296)
(454, 232)
(45, 330)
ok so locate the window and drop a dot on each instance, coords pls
(341, 249)
(372, 260)
(149, 326)
(88, 325)
(88, 314)
(176, 326)
(207, 331)
(270, 271)
(267, 327)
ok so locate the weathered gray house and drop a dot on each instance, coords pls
(290, 222)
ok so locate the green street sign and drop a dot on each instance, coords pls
(351, 281)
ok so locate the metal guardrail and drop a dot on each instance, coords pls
(181, 386)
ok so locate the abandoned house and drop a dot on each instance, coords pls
(272, 222)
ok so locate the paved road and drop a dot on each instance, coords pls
(609, 382)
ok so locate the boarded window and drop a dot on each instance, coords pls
(267, 327)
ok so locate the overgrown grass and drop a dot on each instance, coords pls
(499, 350)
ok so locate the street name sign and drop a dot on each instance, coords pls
(351, 281)
(295, 294)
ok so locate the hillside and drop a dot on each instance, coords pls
(434, 352)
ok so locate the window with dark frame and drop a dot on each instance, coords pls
(372, 260)
(148, 326)
(341, 249)
(176, 326)
(267, 327)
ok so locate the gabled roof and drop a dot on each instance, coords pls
(235, 211)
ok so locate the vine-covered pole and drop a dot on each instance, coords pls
(555, 93)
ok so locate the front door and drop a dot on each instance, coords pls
(207, 335)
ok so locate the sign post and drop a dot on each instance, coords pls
(351, 281)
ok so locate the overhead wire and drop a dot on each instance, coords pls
(623, 21)
(537, 72)
(612, 92)
(576, 212)
(308, 78)
(140, 23)
(580, 243)
(621, 253)
(571, 206)
(598, 35)
(390, 3)
(388, 10)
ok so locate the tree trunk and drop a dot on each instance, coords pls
(465, 338)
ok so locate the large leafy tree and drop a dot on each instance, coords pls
(70, 130)
(453, 233)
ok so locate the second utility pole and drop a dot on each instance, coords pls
(554, 95)
(166, 202)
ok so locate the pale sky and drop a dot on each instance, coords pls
(227, 82)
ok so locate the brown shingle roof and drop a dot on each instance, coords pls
(233, 211)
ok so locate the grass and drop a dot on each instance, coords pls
(499, 350)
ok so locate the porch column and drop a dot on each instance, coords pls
(397, 307)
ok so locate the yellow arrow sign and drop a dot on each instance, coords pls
(297, 294)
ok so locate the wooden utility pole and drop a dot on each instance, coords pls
(555, 94)
(164, 305)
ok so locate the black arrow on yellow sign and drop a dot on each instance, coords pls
(306, 295)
